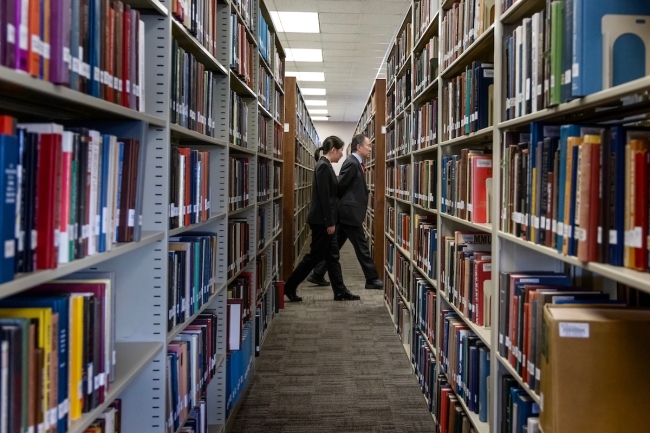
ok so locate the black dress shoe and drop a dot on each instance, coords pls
(293, 297)
(346, 296)
(375, 284)
(319, 281)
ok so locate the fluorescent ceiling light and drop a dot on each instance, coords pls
(304, 54)
(320, 119)
(313, 92)
(317, 111)
(316, 102)
(295, 22)
(306, 76)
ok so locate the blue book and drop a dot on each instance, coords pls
(8, 188)
(484, 373)
(484, 77)
(103, 194)
(473, 395)
(524, 410)
(566, 131)
(95, 47)
(610, 44)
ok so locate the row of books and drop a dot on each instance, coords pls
(278, 137)
(390, 221)
(424, 309)
(424, 12)
(108, 422)
(403, 230)
(519, 412)
(189, 190)
(463, 24)
(467, 101)
(401, 52)
(466, 273)
(261, 229)
(238, 120)
(304, 157)
(556, 55)
(264, 37)
(265, 169)
(465, 360)
(265, 88)
(423, 359)
(245, 8)
(238, 243)
(262, 135)
(398, 181)
(192, 268)
(278, 70)
(466, 180)
(424, 183)
(240, 292)
(199, 17)
(242, 52)
(425, 125)
(95, 48)
(402, 93)
(390, 256)
(277, 181)
(69, 192)
(305, 129)
(449, 412)
(191, 365)
(262, 274)
(425, 244)
(192, 93)
(238, 183)
(276, 258)
(403, 276)
(56, 338)
(552, 195)
(368, 115)
(401, 133)
(426, 66)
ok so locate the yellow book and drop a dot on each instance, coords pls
(76, 355)
(44, 341)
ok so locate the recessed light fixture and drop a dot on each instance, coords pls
(295, 22)
(313, 92)
(304, 54)
(316, 102)
(317, 111)
(320, 118)
(306, 76)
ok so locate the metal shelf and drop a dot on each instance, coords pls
(484, 135)
(181, 326)
(241, 210)
(514, 374)
(427, 33)
(241, 88)
(487, 227)
(26, 281)
(181, 230)
(481, 427)
(482, 332)
(187, 135)
(480, 45)
(239, 149)
(521, 9)
(187, 41)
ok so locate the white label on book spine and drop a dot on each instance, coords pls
(131, 218)
(34, 238)
(11, 33)
(600, 235)
(23, 35)
(36, 44)
(576, 70)
(46, 51)
(90, 382)
(538, 373)
(613, 237)
(574, 330)
(10, 248)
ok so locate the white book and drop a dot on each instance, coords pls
(518, 71)
(181, 191)
(108, 228)
(141, 92)
(66, 235)
(93, 171)
(535, 64)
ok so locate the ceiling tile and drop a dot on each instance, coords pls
(337, 37)
(348, 6)
(336, 18)
(297, 5)
(339, 28)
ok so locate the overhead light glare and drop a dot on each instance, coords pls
(295, 22)
(306, 76)
(320, 119)
(316, 102)
(313, 92)
(304, 54)
(317, 111)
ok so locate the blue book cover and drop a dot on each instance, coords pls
(611, 44)
(484, 77)
(8, 187)
(524, 410)
(473, 361)
(566, 131)
(484, 373)
(95, 47)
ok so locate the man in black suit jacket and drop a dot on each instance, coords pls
(353, 193)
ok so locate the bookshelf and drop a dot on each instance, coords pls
(166, 123)
(300, 143)
(440, 126)
(371, 125)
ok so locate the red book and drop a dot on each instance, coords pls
(48, 200)
(481, 171)
(641, 211)
(482, 273)
(126, 56)
(185, 213)
(109, 47)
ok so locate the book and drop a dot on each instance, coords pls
(9, 185)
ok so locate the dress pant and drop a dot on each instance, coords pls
(360, 244)
(324, 249)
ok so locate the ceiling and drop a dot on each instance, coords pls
(354, 36)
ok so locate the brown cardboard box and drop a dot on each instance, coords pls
(595, 370)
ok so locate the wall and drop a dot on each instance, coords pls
(343, 130)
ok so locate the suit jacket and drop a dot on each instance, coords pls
(353, 192)
(324, 208)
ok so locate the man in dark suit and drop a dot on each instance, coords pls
(353, 192)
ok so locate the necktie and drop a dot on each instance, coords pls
(363, 167)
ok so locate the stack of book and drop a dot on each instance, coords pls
(425, 11)
(466, 180)
(192, 263)
(463, 24)
(262, 136)
(426, 66)
(71, 192)
(56, 338)
(552, 195)
(242, 52)
(465, 273)
(401, 51)
(425, 244)
(189, 192)
(403, 231)
(264, 172)
(200, 19)
(425, 125)
(238, 239)
(403, 182)
(238, 196)
(424, 183)
(238, 126)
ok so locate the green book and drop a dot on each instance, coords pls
(557, 24)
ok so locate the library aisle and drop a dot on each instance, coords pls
(334, 367)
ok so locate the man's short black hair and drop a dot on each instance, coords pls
(357, 141)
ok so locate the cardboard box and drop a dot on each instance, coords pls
(595, 372)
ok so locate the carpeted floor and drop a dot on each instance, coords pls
(334, 367)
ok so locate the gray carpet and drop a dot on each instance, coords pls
(334, 367)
